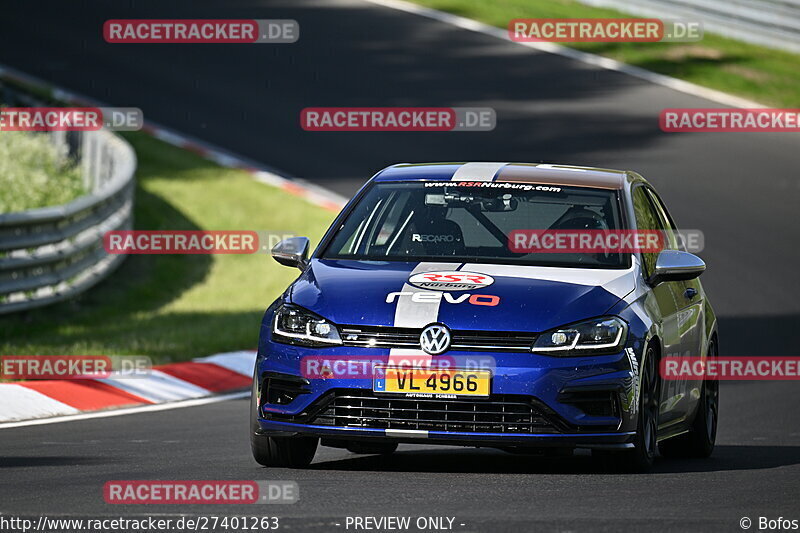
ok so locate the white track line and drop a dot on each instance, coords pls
(127, 411)
(591, 59)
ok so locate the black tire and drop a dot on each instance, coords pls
(699, 441)
(375, 448)
(284, 452)
(640, 457)
(281, 452)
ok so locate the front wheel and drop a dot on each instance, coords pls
(640, 457)
(281, 452)
(284, 452)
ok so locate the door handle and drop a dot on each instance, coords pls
(690, 293)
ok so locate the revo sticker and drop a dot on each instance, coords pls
(433, 297)
(450, 280)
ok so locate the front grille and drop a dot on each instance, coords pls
(391, 337)
(498, 414)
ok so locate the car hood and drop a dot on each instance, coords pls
(520, 298)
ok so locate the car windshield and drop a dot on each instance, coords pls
(473, 222)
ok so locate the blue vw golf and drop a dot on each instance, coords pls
(422, 317)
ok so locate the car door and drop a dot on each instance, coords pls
(691, 318)
(663, 303)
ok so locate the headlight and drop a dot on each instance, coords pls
(295, 325)
(597, 336)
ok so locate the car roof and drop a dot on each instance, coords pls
(540, 173)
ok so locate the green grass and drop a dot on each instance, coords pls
(174, 307)
(34, 174)
(762, 74)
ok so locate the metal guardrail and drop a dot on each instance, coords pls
(53, 253)
(773, 23)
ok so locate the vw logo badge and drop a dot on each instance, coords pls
(435, 339)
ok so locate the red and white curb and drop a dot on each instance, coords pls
(314, 194)
(175, 382)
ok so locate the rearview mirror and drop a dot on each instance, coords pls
(498, 205)
(675, 265)
(292, 252)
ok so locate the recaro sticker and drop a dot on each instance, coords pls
(450, 280)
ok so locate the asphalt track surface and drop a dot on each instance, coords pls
(741, 189)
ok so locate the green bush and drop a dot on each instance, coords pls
(33, 173)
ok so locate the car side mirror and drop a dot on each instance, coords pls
(675, 265)
(292, 252)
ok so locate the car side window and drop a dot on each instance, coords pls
(673, 242)
(647, 218)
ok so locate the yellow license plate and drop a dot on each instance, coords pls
(434, 381)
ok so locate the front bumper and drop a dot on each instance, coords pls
(582, 402)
